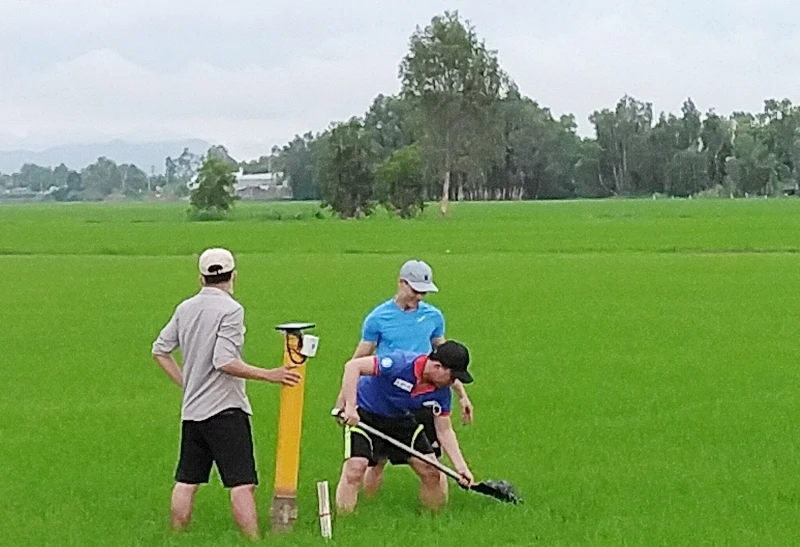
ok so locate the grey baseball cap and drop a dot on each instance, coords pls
(419, 275)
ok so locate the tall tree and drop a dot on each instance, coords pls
(622, 134)
(261, 165)
(101, 178)
(716, 136)
(400, 182)
(347, 170)
(71, 189)
(781, 136)
(74, 182)
(663, 142)
(753, 169)
(183, 168)
(391, 122)
(35, 177)
(540, 152)
(60, 174)
(687, 174)
(689, 134)
(590, 177)
(221, 153)
(214, 192)
(134, 180)
(298, 164)
(454, 82)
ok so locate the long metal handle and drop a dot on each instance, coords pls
(435, 463)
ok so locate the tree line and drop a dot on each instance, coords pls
(460, 129)
(105, 178)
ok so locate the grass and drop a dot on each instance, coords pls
(635, 361)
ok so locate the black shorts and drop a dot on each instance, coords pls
(360, 444)
(425, 417)
(226, 439)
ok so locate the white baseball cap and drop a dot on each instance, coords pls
(419, 275)
(216, 261)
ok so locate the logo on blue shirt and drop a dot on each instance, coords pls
(435, 407)
(405, 386)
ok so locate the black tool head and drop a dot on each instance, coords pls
(501, 490)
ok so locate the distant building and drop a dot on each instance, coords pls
(791, 189)
(264, 186)
(23, 193)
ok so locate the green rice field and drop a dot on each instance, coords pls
(637, 368)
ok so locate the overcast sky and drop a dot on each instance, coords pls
(252, 73)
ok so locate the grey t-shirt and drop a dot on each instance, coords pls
(209, 330)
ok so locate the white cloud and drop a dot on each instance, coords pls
(250, 109)
(251, 74)
(591, 66)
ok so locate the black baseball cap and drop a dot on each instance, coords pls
(454, 356)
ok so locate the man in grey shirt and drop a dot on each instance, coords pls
(209, 330)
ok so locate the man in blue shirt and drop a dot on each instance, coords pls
(407, 323)
(384, 391)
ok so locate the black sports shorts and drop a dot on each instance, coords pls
(224, 439)
(360, 444)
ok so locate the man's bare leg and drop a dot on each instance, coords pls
(243, 506)
(445, 483)
(431, 492)
(353, 472)
(373, 478)
(181, 505)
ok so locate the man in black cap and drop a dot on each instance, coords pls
(383, 391)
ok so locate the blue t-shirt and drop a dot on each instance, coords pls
(393, 391)
(393, 329)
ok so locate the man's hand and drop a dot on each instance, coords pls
(167, 362)
(466, 477)
(353, 370)
(351, 416)
(283, 375)
(467, 410)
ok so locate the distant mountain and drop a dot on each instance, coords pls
(77, 156)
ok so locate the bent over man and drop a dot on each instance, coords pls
(393, 386)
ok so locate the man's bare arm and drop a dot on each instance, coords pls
(449, 443)
(364, 349)
(353, 370)
(279, 375)
(467, 410)
(168, 364)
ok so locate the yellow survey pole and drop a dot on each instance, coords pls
(283, 512)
